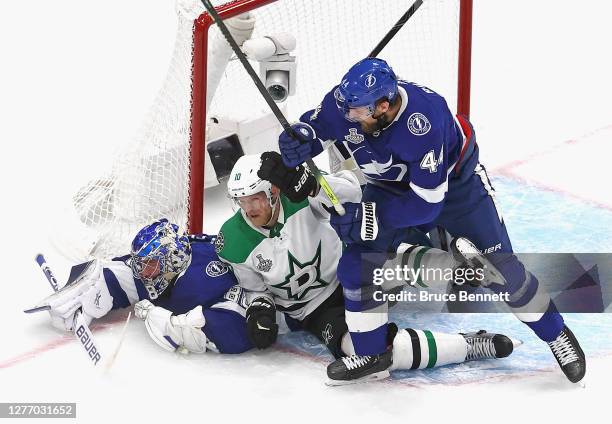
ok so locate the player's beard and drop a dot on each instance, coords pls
(372, 127)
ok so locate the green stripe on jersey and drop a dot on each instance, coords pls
(289, 207)
(239, 239)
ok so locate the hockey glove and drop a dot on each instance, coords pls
(358, 224)
(296, 183)
(88, 292)
(296, 151)
(171, 331)
(262, 329)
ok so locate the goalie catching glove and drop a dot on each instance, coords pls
(262, 328)
(173, 331)
(296, 183)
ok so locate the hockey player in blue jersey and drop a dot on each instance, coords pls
(424, 171)
(189, 300)
(187, 297)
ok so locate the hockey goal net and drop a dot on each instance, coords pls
(161, 171)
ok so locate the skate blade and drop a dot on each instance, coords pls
(516, 342)
(368, 378)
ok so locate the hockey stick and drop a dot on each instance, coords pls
(80, 328)
(343, 154)
(111, 361)
(275, 109)
(398, 25)
(381, 45)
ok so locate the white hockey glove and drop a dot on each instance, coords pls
(89, 292)
(173, 331)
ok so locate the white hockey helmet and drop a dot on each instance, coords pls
(244, 181)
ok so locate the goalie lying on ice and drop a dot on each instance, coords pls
(189, 299)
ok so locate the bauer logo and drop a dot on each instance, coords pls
(87, 342)
(216, 268)
(418, 124)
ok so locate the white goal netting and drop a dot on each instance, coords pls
(149, 176)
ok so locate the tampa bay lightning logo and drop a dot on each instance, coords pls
(370, 80)
(216, 268)
(387, 170)
(418, 124)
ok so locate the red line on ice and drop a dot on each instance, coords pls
(507, 170)
(53, 344)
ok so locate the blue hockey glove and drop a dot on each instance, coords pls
(358, 224)
(295, 152)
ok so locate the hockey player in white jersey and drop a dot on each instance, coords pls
(190, 300)
(284, 252)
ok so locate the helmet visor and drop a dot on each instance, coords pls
(352, 114)
(257, 201)
(358, 114)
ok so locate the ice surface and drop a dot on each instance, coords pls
(76, 79)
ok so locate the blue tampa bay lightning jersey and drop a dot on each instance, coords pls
(207, 282)
(413, 155)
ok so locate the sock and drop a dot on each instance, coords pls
(418, 349)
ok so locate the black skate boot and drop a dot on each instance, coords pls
(357, 369)
(483, 345)
(469, 256)
(569, 355)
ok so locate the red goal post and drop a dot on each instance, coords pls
(206, 97)
(199, 84)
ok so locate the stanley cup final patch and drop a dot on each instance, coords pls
(418, 124)
(369, 224)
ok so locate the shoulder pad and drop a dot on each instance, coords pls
(236, 239)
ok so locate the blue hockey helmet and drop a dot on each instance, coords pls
(368, 81)
(160, 252)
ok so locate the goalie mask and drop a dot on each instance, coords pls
(159, 254)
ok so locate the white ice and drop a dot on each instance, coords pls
(77, 75)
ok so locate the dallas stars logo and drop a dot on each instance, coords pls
(302, 277)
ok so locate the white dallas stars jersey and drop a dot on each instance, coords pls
(295, 261)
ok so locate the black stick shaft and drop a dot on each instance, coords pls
(398, 25)
(247, 66)
(275, 109)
